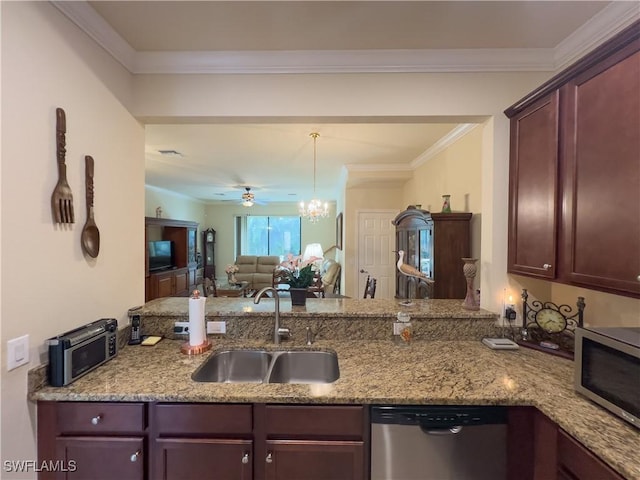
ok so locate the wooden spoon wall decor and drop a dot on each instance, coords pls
(90, 237)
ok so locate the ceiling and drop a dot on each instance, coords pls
(216, 161)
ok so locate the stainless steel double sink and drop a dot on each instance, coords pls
(262, 366)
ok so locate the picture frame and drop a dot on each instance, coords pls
(339, 231)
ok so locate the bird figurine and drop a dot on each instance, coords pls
(409, 270)
(413, 273)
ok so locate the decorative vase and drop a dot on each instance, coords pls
(298, 296)
(470, 269)
(231, 278)
(446, 203)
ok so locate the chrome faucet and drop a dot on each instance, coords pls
(278, 332)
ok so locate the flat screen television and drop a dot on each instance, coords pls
(160, 255)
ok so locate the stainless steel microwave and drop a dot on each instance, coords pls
(607, 369)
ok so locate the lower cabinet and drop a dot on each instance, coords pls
(184, 441)
(193, 440)
(540, 450)
(242, 442)
(92, 440)
(100, 458)
(311, 442)
(172, 283)
(314, 460)
(191, 458)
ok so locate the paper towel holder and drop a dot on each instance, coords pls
(189, 349)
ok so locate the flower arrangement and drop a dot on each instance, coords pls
(231, 268)
(298, 273)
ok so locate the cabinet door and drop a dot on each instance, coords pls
(575, 461)
(101, 458)
(314, 460)
(601, 114)
(187, 459)
(181, 282)
(164, 284)
(533, 186)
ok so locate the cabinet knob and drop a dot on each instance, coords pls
(245, 458)
(269, 458)
(96, 420)
(546, 266)
(134, 457)
(638, 278)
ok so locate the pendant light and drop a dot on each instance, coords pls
(315, 209)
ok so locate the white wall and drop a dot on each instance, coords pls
(48, 285)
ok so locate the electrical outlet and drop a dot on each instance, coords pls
(217, 327)
(181, 328)
(510, 313)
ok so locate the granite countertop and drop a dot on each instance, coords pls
(446, 364)
(328, 307)
(461, 372)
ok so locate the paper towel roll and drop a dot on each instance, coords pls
(197, 333)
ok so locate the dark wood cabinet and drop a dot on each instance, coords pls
(435, 244)
(193, 440)
(540, 450)
(101, 458)
(314, 460)
(312, 442)
(451, 242)
(601, 188)
(574, 202)
(95, 440)
(533, 189)
(180, 280)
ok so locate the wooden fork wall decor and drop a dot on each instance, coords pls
(62, 198)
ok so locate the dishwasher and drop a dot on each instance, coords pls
(438, 442)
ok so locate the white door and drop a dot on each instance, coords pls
(376, 242)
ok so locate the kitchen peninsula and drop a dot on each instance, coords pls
(446, 364)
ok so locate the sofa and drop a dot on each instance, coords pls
(257, 270)
(330, 276)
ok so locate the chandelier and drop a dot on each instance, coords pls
(315, 209)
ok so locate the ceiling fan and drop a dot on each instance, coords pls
(249, 198)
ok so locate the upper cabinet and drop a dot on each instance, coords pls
(574, 177)
(533, 189)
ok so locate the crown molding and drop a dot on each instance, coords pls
(449, 139)
(614, 18)
(609, 21)
(344, 61)
(89, 21)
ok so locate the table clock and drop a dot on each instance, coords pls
(549, 327)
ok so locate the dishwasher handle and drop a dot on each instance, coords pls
(441, 431)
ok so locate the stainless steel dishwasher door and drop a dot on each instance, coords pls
(414, 452)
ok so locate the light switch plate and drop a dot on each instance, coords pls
(17, 352)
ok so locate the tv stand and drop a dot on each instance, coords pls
(179, 280)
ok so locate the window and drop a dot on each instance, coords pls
(266, 235)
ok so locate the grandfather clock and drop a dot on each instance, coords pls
(208, 242)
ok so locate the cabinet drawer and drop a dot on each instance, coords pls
(320, 421)
(203, 419)
(99, 418)
(579, 462)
